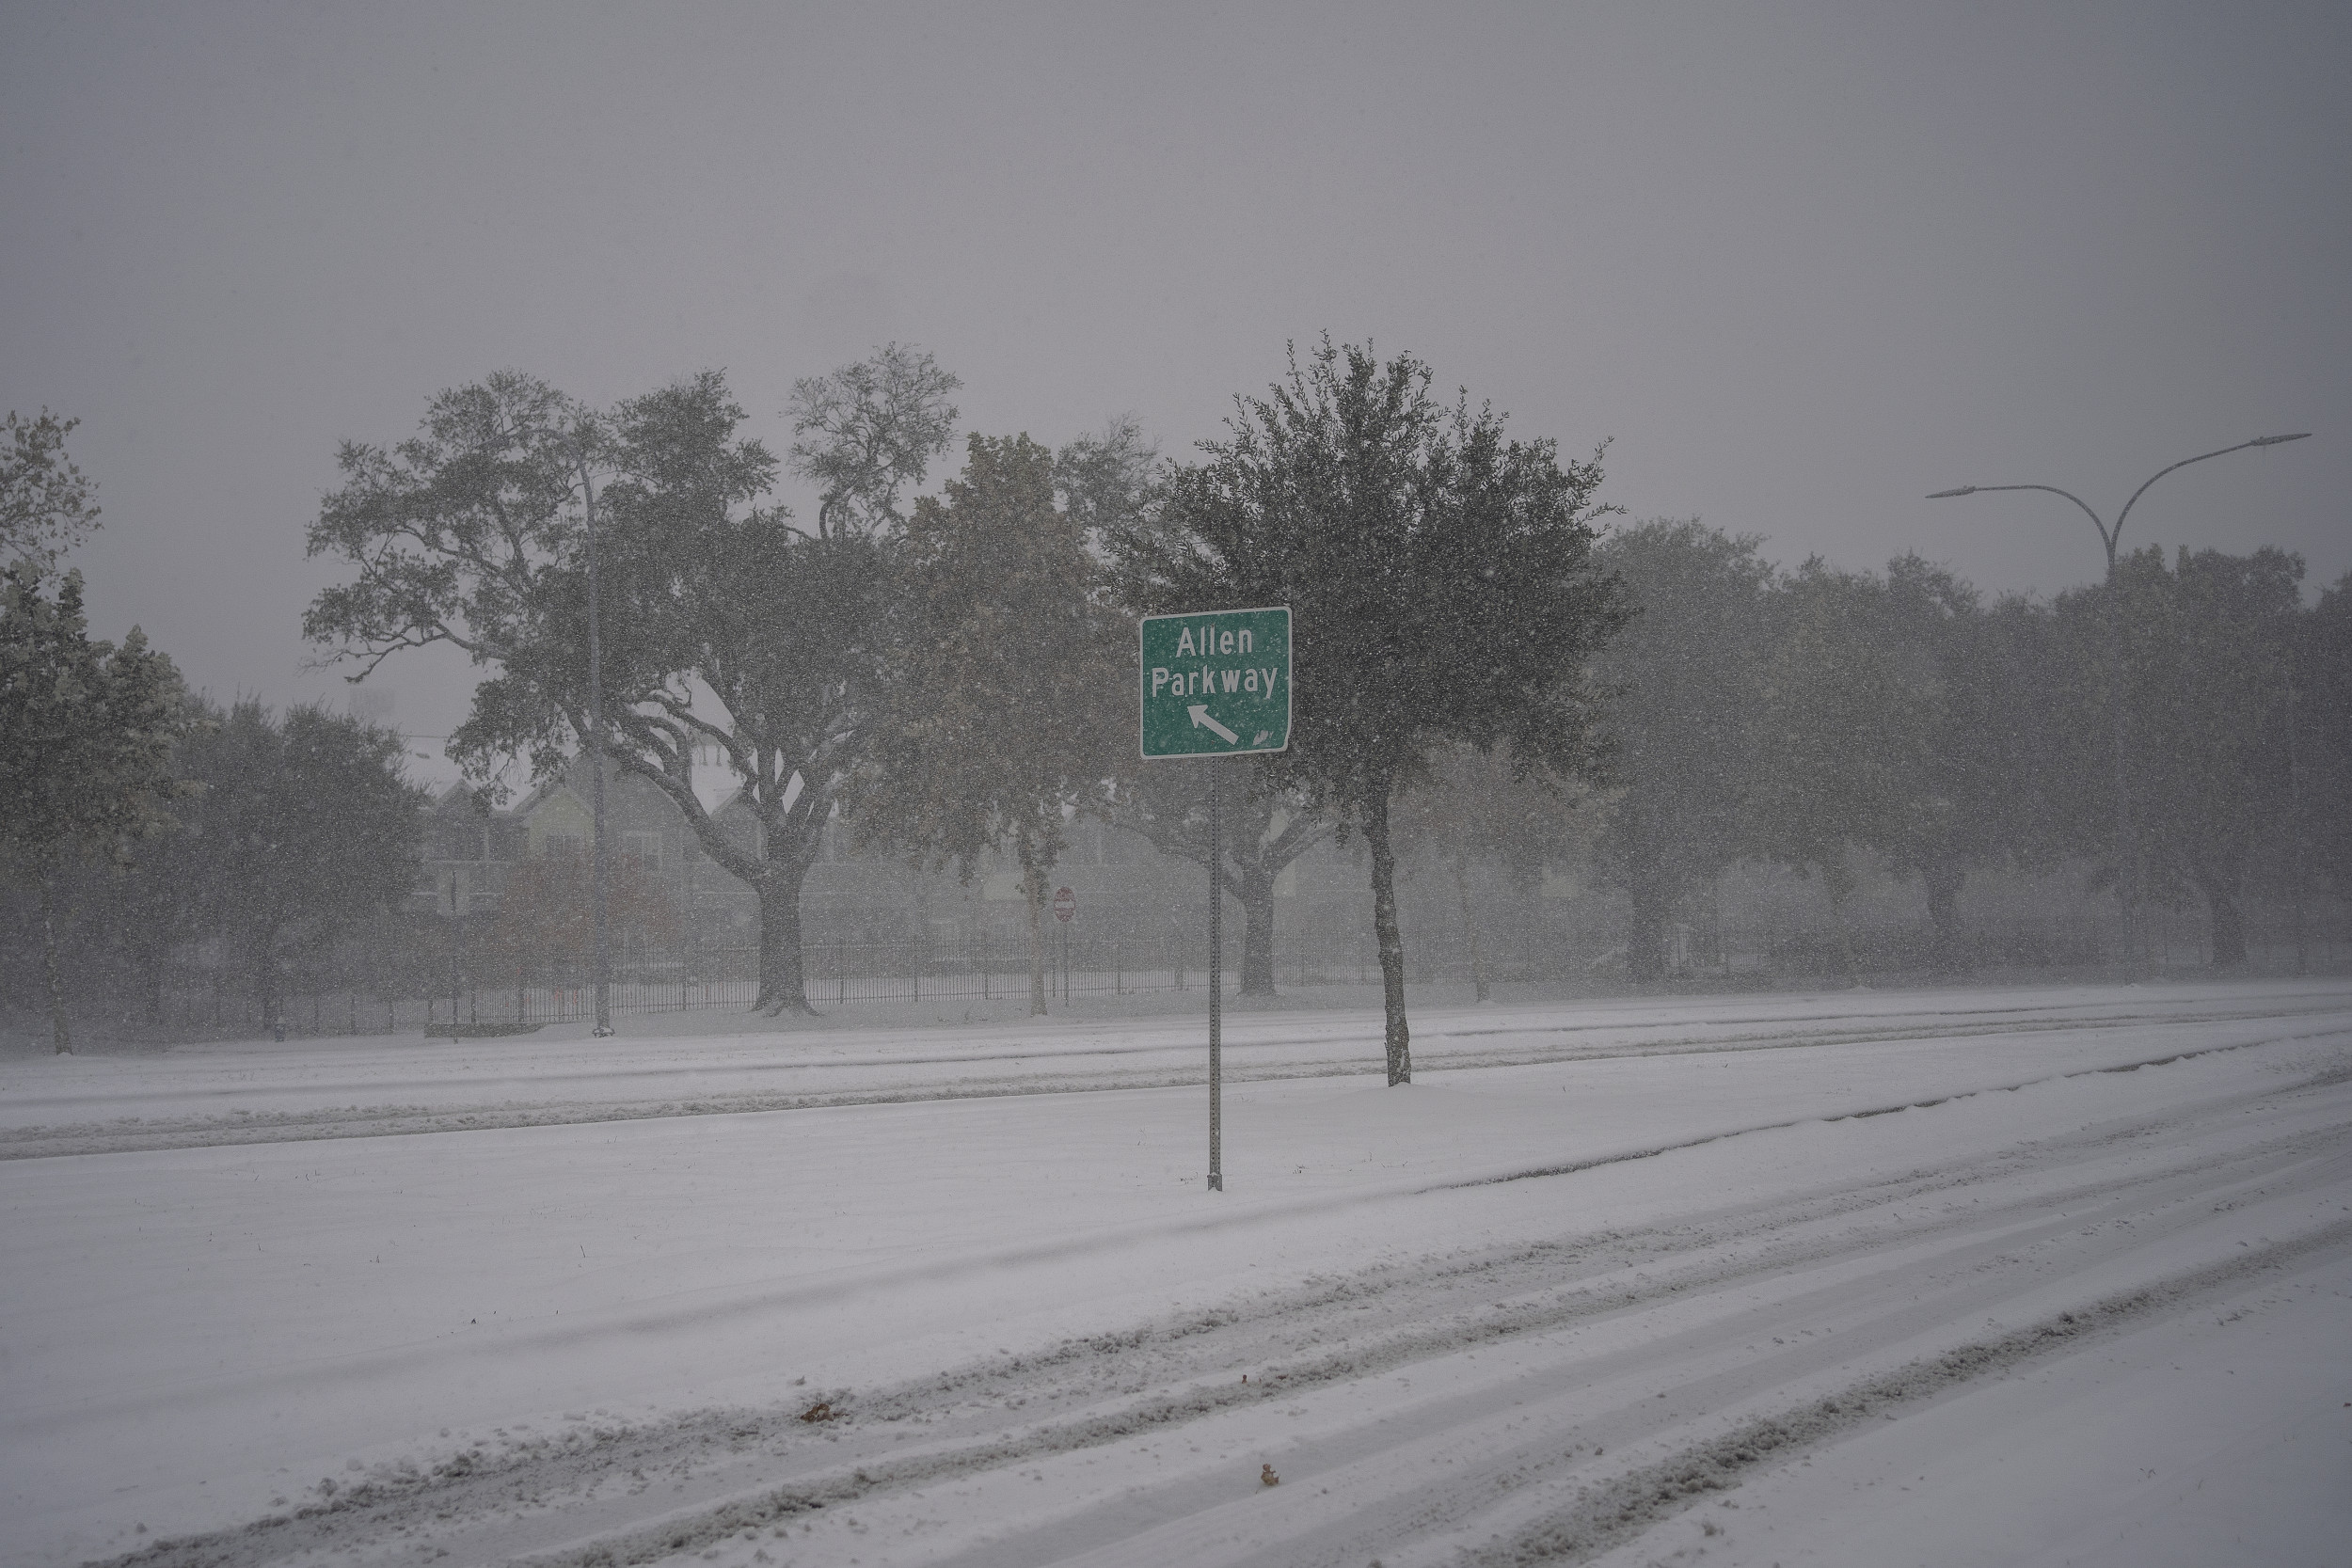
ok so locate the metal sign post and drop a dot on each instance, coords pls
(1216, 988)
(1216, 683)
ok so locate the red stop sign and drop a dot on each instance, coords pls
(1065, 904)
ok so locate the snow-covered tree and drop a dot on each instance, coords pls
(1684, 718)
(2204, 647)
(868, 432)
(45, 504)
(2319, 833)
(723, 626)
(301, 828)
(1441, 578)
(86, 731)
(1009, 681)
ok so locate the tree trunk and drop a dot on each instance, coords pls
(1652, 901)
(265, 978)
(2229, 918)
(1944, 881)
(1257, 940)
(783, 980)
(1849, 963)
(1469, 926)
(61, 1035)
(2229, 932)
(1396, 1037)
(1033, 894)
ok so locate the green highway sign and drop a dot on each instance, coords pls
(1216, 683)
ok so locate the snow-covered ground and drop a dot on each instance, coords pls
(1969, 1276)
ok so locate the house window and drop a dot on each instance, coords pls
(559, 847)
(643, 850)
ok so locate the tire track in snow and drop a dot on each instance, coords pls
(1582, 1399)
(964, 1425)
(621, 1329)
(1571, 1168)
(940, 1274)
(1612, 1512)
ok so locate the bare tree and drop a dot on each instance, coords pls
(865, 432)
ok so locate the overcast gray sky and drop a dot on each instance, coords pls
(1801, 264)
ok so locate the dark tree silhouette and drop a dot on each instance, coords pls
(723, 626)
(86, 731)
(1265, 831)
(1439, 576)
(1686, 686)
(1006, 681)
(301, 830)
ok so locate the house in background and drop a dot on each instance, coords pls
(470, 845)
(467, 851)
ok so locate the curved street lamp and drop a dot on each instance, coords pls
(2127, 862)
(2108, 536)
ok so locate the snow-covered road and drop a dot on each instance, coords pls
(1965, 1276)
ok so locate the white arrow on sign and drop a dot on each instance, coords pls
(1200, 720)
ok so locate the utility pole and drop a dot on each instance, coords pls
(457, 946)
(602, 853)
(2300, 856)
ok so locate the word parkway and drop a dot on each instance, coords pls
(1205, 682)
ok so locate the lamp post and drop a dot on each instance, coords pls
(600, 976)
(457, 947)
(2126, 856)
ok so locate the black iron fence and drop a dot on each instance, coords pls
(471, 993)
(467, 991)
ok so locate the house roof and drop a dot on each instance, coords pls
(715, 787)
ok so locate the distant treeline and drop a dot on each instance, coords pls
(1491, 674)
